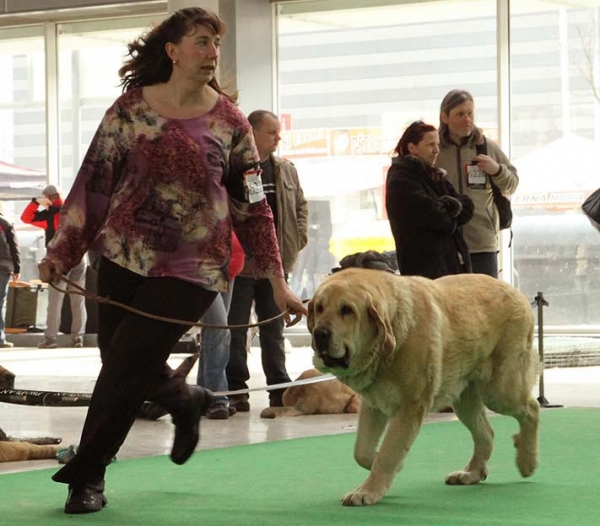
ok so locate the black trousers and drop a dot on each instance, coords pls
(259, 291)
(134, 350)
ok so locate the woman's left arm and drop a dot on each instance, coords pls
(468, 207)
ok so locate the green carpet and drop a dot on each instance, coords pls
(300, 482)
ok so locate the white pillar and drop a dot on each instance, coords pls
(256, 56)
(505, 257)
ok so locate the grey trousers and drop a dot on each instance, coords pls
(55, 302)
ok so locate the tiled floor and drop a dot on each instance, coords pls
(74, 370)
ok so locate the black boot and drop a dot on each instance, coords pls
(85, 498)
(187, 423)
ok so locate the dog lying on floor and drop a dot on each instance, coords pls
(410, 345)
(12, 449)
(323, 398)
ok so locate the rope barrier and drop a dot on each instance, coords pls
(63, 399)
(44, 398)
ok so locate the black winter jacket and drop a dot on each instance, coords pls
(428, 238)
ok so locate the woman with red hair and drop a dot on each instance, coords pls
(424, 209)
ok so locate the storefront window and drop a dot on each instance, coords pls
(350, 81)
(22, 132)
(555, 117)
(90, 55)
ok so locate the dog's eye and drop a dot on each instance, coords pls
(346, 310)
(319, 308)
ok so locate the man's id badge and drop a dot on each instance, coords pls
(253, 186)
(475, 177)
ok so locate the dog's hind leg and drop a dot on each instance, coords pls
(526, 439)
(471, 412)
(509, 392)
(371, 424)
(527, 413)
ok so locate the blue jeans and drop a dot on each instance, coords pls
(214, 346)
(485, 263)
(4, 280)
(259, 291)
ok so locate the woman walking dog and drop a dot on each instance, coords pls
(172, 167)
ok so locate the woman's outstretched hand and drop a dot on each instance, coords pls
(288, 302)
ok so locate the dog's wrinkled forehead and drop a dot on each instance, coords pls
(337, 298)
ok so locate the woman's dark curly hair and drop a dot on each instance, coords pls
(149, 63)
(414, 134)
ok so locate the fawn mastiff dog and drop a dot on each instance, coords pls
(410, 345)
(330, 397)
(12, 449)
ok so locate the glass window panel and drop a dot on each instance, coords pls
(555, 119)
(22, 133)
(90, 55)
(350, 80)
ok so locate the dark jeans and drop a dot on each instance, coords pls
(485, 263)
(134, 350)
(272, 348)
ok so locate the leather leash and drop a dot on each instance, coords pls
(62, 399)
(80, 291)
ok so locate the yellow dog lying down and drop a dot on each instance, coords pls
(410, 345)
(324, 398)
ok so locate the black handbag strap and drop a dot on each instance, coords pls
(481, 148)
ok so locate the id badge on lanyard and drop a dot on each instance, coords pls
(253, 186)
(476, 178)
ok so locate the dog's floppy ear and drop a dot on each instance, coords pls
(378, 312)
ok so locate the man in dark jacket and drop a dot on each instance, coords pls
(10, 265)
(290, 213)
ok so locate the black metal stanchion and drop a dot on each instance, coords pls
(541, 303)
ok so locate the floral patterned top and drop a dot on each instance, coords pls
(159, 196)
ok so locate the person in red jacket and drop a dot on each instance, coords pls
(44, 212)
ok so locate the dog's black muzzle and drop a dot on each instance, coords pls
(322, 339)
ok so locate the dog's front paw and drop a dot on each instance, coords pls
(362, 497)
(466, 478)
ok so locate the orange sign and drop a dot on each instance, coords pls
(304, 143)
(323, 142)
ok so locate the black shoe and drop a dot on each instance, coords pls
(239, 403)
(220, 411)
(276, 402)
(85, 499)
(187, 425)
